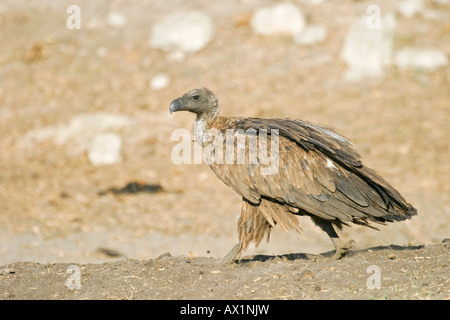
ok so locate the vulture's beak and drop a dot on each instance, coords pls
(175, 105)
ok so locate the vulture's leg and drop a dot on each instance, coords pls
(341, 247)
(230, 255)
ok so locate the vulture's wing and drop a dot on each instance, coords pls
(319, 172)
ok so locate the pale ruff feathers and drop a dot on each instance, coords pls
(200, 132)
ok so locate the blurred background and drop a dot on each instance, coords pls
(85, 131)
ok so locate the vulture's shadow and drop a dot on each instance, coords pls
(263, 257)
(328, 254)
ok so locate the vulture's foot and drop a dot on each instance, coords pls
(231, 255)
(342, 249)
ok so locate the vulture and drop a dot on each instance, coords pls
(316, 172)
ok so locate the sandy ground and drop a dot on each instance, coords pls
(391, 272)
(51, 212)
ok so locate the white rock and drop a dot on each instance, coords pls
(79, 131)
(313, 2)
(116, 19)
(312, 34)
(367, 50)
(186, 31)
(409, 8)
(92, 123)
(427, 59)
(160, 81)
(279, 19)
(105, 148)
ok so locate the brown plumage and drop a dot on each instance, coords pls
(319, 173)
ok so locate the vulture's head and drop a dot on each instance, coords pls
(200, 101)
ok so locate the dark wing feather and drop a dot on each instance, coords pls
(307, 135)
(320, 173)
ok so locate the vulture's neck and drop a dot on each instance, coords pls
(202, 124)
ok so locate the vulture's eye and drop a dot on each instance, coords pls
(195, 97)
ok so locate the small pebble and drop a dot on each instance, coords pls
(306, 274)
(160, 81)
(7, 271)
(164, 255)
(392, 256)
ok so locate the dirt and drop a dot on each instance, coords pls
(56, 211)
(390, 272)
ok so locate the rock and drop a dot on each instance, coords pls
(160, 81)
(105, 148)
(311, 35)
(99, 120)
(79, 131)
(446, 243)
(6, 271)
(391, 256)
(283, 18)
(427, 59)
(409, 8)
(150, 263)
(116, 19)
(307, 274)
(367, 51)
(164, 255)
(186, 31)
